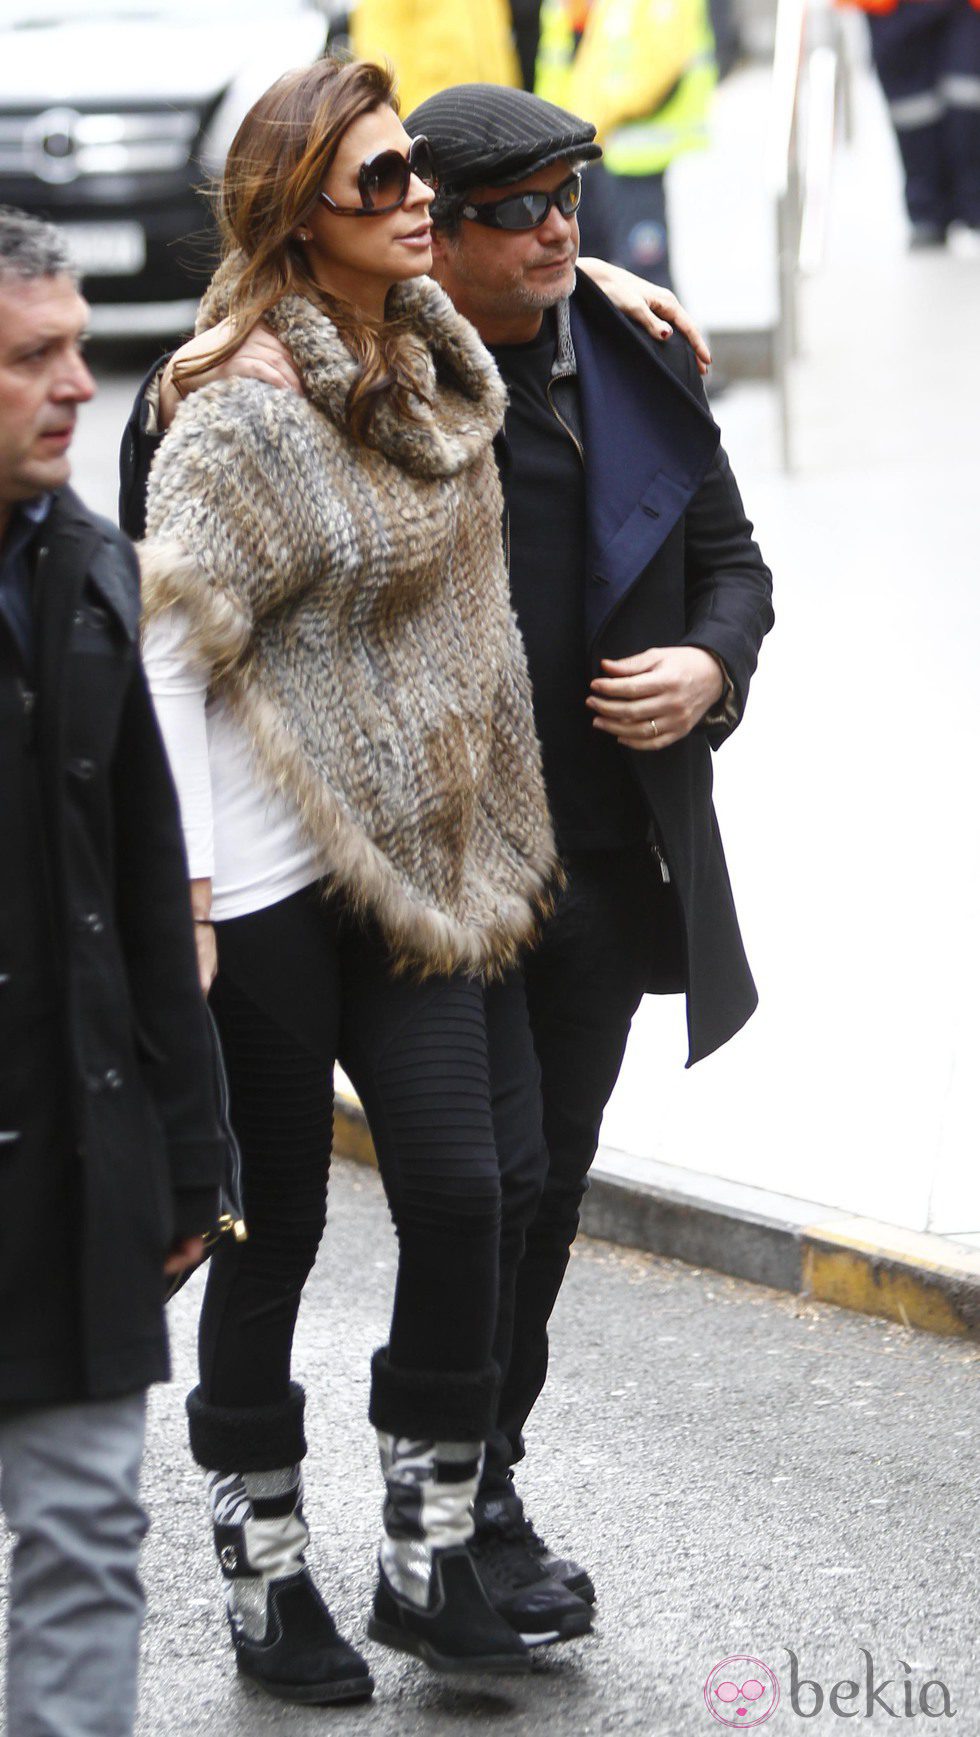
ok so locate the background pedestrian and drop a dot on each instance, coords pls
(642, 71)
(927, 57)
(432, 43)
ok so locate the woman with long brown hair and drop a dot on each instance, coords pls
(343, 691)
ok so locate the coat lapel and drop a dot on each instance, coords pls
(648, 445)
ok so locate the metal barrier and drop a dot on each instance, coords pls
(811, 74)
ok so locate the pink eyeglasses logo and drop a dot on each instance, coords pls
(741, 1692)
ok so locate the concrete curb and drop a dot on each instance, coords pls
(912, 1277)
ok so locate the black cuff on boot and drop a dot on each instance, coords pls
(432, 1405)
(247, 1438)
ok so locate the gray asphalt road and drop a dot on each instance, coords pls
(743, 1473)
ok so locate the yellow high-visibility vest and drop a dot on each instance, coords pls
(643, 74)
(436, 43)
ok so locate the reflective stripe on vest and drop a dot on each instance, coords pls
(925, 108)
(646, 147)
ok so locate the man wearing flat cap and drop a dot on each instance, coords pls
(643, 601)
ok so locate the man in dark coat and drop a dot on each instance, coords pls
(109, 1147)
(643, 601)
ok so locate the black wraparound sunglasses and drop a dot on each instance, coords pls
(383, 180)
(527, 210)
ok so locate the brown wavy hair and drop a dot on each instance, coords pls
(274, 171)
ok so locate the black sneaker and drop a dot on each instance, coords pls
(508, 1511)
(561, 1568)
(509, 1560)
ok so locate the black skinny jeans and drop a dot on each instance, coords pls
(301, 985)
(584, 982)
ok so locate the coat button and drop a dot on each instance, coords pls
(91, 923)
(82, 768)
(109, 1081)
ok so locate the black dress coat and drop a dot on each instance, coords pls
(671, 561)
(109, 1141)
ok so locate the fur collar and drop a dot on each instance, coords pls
(467, 396)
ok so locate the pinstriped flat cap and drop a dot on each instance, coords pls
(490, 135)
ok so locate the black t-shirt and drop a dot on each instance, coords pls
(594, 800)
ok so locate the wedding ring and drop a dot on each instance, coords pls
(653, 726)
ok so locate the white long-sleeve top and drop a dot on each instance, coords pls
(243, 838)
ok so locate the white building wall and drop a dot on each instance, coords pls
(848, 800)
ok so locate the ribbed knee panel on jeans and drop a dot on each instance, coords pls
(429, 1105)
(432, 1086)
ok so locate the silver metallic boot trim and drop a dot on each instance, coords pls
(425, 1509)
(274, 1548)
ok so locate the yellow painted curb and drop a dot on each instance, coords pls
(856, 1263)
(880, 1269)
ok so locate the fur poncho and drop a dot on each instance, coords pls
(352, 605)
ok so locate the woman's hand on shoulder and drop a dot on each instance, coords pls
(649, 305)
(260, 356)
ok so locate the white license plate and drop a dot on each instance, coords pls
(106, 249)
